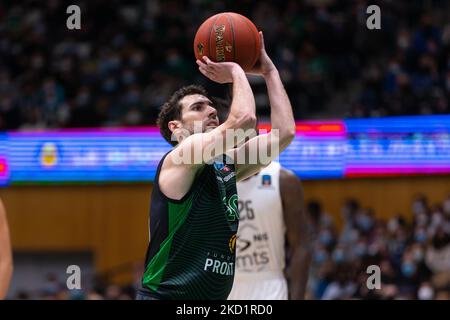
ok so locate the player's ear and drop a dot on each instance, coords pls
(174, 124)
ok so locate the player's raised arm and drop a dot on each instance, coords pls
(198, 136)
(242, 111)
(282, 121)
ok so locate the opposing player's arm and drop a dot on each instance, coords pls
(6, 263)
(182, 164)
(299, 242)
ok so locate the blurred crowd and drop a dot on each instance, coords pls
(413, 256)
(93, 287)
(130, 56)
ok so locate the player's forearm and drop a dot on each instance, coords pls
(299, 272)
(242, 111)
(6, 263)
(6, 270)
(281, 115)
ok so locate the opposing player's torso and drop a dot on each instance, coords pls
(260, 243)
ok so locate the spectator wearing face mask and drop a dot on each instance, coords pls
(438, 252)
(342, 287)
(426, 291)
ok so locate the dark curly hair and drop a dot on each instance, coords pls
(171, 110)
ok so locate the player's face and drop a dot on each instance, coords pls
(198, 108)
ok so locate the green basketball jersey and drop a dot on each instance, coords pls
(191, 253)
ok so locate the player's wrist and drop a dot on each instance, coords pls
(270, 73)
(237, 71)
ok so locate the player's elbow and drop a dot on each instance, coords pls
(287, 136)
(290, 134)
(291, 130)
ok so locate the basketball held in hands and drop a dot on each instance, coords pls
(228, 37)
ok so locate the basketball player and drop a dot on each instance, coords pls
(193, 213)
(6, 264)
(271, 207)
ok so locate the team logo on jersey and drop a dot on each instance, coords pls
(244, 244)
(252, 249)
(232, 243)
(232, 209)
(219, 263)
(221, 166)
(266, 180)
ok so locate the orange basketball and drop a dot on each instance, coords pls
(228, 36)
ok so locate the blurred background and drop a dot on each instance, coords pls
(78, 143)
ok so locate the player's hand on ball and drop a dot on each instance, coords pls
(220, 72)
(264, 65)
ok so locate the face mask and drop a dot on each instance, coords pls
(360, 250)
(338, 256)
(346, 212)
(394, 68)
(447, 206)
(173, 60)
(49, 87)
(133, 116)
(420, 237)
(418, 207)
(109, 85)
(418, 255)
(373, 250)
(37, 62)
(408, 269)
(113, 62)
(354, 236)
(320, 257)
(425, 293)
(83, 99)
(128, 78)
(422, 219)
(392, 225)
(325, 238)
(365, 223)
(133, 97)
(436, 218)
(136, 60)
(403, 42)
